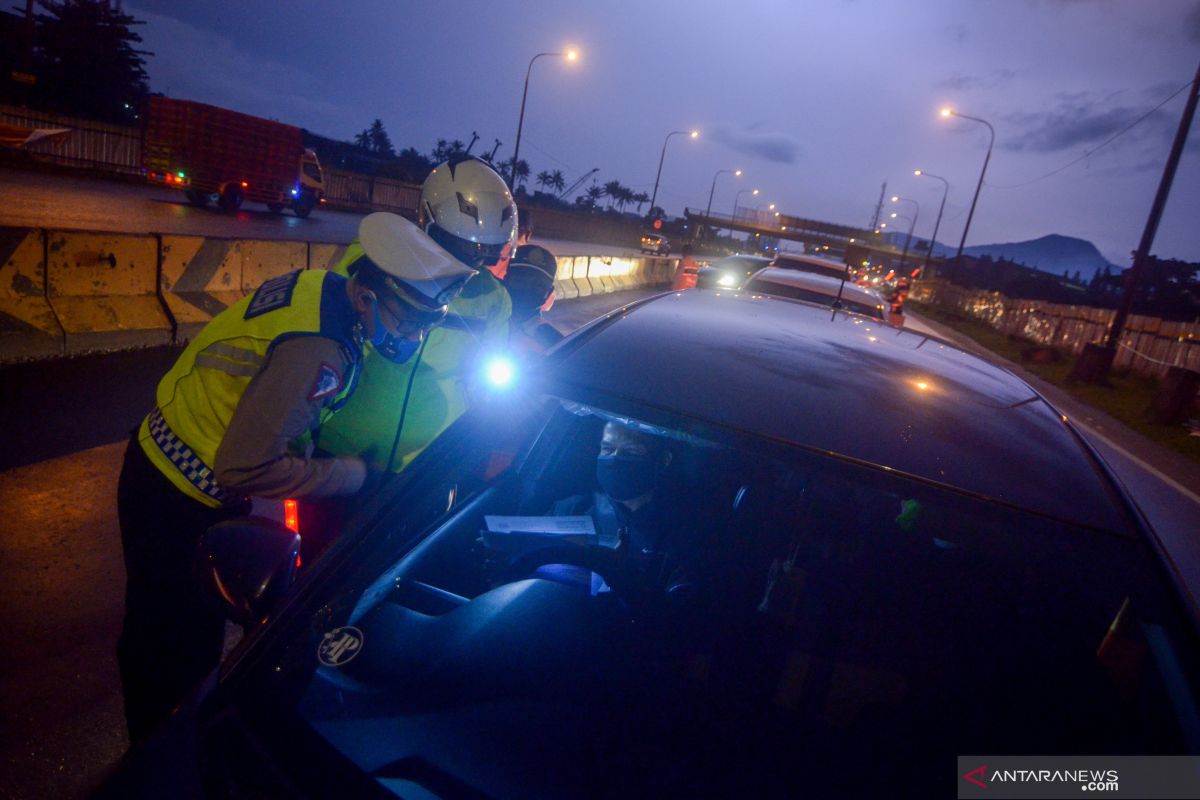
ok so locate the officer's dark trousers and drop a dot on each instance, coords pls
(170, 639)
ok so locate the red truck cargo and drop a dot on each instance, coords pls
(212, 152)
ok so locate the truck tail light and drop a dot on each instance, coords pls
(245, 185)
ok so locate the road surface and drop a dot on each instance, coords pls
(31, 199)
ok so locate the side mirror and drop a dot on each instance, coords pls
(245, 565)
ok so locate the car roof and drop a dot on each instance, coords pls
(804, 258)
(815, 282)
(742, 259)
(845, 384)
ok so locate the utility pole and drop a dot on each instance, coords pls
(1096, 360)
(879, 206)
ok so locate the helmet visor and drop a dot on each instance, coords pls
(474, 254)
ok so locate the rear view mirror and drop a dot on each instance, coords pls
(245, 566)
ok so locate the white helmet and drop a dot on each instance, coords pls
(467, 209)
(414, 268)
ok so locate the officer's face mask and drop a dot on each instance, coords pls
(624, 477)
(395, 349)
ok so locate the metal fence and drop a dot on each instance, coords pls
(355, 192)
(90, 144)
(1148, 346)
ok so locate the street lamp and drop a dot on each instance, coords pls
(569, 55)
(916, 215)
(737, 197)
(941, 208)
(654, 196)
(949, 112)
(737, 173)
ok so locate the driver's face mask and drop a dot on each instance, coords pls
(624, 477)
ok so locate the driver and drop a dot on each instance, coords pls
(629, 509)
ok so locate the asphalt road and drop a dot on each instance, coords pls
(78, 202)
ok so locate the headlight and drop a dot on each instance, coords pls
(727, 280)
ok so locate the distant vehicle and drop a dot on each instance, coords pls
(854, 557)
(656, 243)
(730, 272)
(816, 288)
(805, 263)
(208, 151)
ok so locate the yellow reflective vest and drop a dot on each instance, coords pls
(367, 425)
(197, 397)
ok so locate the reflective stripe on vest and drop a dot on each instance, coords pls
(199, 395)
(190, 466)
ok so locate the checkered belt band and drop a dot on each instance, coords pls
(189, 464)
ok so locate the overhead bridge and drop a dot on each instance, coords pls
(855, 244)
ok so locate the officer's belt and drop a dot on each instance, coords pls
(190, 465)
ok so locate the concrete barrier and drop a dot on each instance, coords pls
(325, 256)
(103, 288)
(201, 277)
(28, 326)
(263, 260)
(579, 272)
(564, 288)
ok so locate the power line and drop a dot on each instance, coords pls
(1089, 153)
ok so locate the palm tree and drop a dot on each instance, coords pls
(639, 198)
(557, 181)
(544, 180)
(612, 190)
(593, 194)
(623, 197)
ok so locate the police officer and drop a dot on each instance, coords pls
(530, 284)
(398, 409)
(230, 418)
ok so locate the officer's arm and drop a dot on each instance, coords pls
(282, 402)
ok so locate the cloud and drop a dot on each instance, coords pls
(1082, 120)
(778, 148)
(965, 83)
(194, 64)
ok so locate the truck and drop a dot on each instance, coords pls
(217, 154)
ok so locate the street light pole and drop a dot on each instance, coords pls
(735, 172)
(661, 158)
(937, 224)
(948, 112)
(737, 197)
(916, 216)
(912, 223)
(570, 55)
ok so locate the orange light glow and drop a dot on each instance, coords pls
(245, 185)
(291, 516)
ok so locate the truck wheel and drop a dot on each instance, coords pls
(231, 198)
(275, 208)
(196, 197)
(304, 205)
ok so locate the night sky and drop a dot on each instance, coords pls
(819, 102)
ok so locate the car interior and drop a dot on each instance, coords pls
(795, 615)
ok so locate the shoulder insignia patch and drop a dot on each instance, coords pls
(273, 294)
(327, 383)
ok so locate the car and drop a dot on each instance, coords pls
(863, 552)
(807, 263)
(730, 272)
(821, 289)
(655, 243)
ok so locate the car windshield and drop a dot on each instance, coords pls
(799, 293)
(601, 600)
(832, 270)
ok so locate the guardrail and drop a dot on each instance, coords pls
(64, 293)
(1149, 346)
